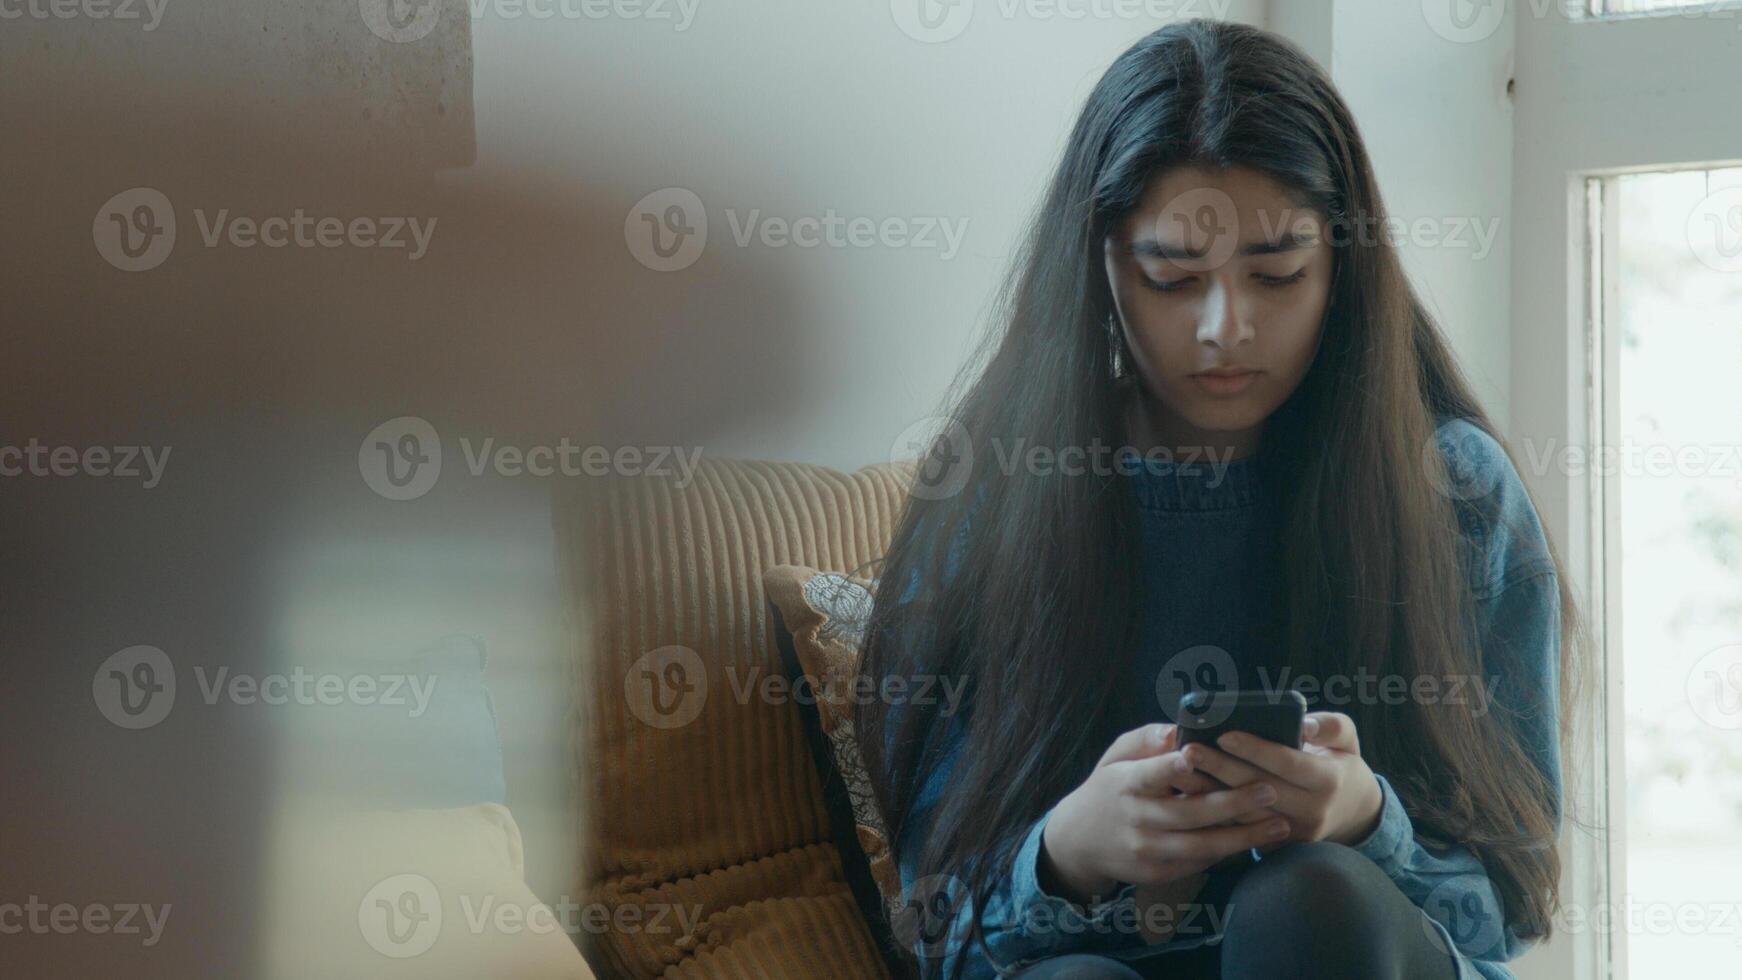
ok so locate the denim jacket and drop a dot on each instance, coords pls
(1217, 514)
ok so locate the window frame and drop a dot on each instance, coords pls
(1576, 75)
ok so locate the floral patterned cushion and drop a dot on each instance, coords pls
(824, 616)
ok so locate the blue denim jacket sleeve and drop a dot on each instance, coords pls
(1021, 922)
(1518, 629)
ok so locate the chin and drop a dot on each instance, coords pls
(1224, 415)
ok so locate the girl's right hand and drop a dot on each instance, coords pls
(1129, 822)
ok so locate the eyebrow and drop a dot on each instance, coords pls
(1288, 241)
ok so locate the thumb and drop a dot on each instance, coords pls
(1140, 743)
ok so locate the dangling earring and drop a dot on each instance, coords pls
(1116, 336)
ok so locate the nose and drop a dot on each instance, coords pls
(1222, 320)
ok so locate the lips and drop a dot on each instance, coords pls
(1226, 381)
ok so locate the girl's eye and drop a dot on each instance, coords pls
(1279, 281)
(1175, 285)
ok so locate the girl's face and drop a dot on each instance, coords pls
(1218, 271)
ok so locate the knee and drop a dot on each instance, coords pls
(1324, 911)
(1079, 966)
(1307, 898)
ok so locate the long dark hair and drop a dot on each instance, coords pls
(1040, 615)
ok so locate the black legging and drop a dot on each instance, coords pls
(1306, 912)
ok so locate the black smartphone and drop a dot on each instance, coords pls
(1204, 716)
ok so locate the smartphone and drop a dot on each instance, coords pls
(1205, 716)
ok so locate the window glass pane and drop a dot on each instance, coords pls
(1680, 391)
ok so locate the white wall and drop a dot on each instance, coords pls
(795, 108)
(1434, 111)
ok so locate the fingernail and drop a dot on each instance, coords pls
(1266, 794)
(1232, 740)
(1277, 830)
(1310, 726)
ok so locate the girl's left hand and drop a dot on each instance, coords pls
(1324, 788)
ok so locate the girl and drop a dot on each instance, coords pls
(1306, 496)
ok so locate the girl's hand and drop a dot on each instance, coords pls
(1324, 788)
(1130, 820)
